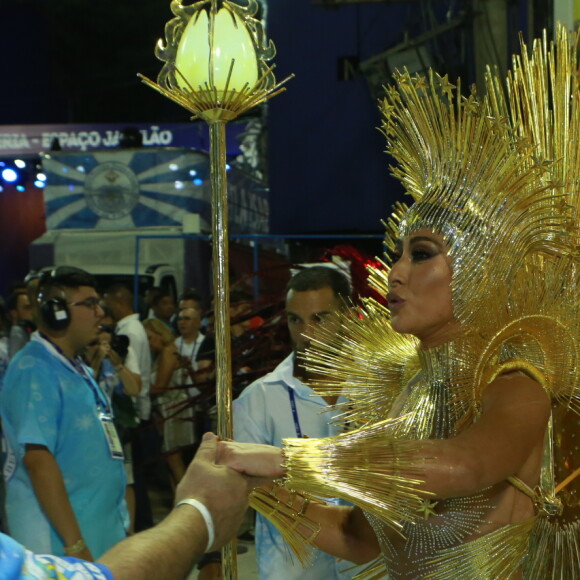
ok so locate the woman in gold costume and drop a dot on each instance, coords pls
(463, 462)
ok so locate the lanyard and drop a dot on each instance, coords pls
(292, 398)
(295, 413)
(77, 366)
(192, 357)
(194, 351)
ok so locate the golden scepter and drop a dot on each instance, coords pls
(215, 56)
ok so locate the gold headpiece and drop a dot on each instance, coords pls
(495, 176)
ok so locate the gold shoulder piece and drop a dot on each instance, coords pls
(514, 365)
(363, 359)
(375, 570)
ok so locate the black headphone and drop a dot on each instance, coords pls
(53, 312)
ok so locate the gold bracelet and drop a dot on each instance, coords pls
(76, 548)
(304, 506)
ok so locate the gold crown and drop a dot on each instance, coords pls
(496, 176)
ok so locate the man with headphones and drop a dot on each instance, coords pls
(64, 471)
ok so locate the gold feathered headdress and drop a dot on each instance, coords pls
(496, 175)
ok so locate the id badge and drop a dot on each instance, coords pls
(112, 436)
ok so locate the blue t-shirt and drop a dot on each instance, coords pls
(45, 401)
(17, 563)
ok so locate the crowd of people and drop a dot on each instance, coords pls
(151, 376)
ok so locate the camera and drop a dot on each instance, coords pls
(120, 344)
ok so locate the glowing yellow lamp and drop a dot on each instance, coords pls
(204, 60)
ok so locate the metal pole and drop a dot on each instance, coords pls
(217, 133)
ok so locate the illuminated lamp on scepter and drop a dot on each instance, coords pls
(215, 56)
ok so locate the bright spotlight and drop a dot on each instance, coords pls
(41, 176)
(20, 163)
(20, 188)
(9, 175)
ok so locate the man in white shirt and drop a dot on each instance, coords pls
(280, 405)
(197, 351)
(118, 300)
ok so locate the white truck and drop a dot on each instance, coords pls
(123, 215)
(168, 260)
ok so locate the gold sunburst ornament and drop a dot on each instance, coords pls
(215, 55)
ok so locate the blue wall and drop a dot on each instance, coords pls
(328, 171)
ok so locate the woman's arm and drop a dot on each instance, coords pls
(167, 365)
(344, 530)
(501, 443)
(506, 440)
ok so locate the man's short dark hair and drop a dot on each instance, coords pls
(318, 277)
(159, 296)
(65, 277)
(120, 293)
(190, 294)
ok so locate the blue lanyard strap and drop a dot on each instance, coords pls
(295, 413)
(79, 368)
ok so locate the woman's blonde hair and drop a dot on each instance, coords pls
(158, 327)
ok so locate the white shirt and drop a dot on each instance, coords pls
(132, 327)
(263, 414)
(189, 350)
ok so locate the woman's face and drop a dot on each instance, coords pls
(155, 341)
(420, 289)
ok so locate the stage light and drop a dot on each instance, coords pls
(41, 176)
(40, 183)
(10, 175)
(192, 172)
(197, 181)
(20, 188)
(20, 163)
